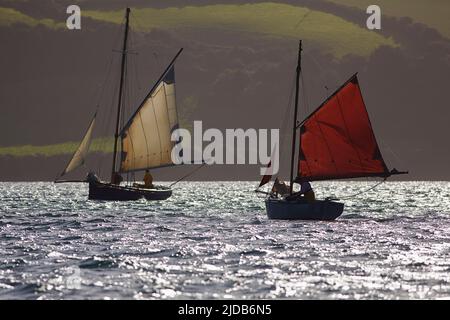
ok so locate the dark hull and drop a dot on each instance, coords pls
(106, 191)
(300, 210)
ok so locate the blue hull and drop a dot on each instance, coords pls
(300, 210)
(106, 191)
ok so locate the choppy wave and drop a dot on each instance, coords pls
(392, 242)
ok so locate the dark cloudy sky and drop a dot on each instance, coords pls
(228, 76)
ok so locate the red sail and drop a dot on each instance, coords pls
(267, 177)
(337, 140)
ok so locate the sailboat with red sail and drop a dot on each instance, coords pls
(336, 141)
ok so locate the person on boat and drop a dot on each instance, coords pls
(116, 178)
(307, 191)
(148, 180)
(281, 188)
(92, 177)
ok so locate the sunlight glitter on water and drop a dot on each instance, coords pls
(213, 240)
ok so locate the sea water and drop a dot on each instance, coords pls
(212, 240)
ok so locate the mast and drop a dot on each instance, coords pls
(294, 128)
(122, 77)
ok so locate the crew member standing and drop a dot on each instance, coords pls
(148, 180)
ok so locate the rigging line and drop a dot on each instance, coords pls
(134, 69)
(141, 31)
(134, 93)
(105, 122)
(125, 103)
(333, 87)
(99, 95)
(287, 112)
(112, 85)
(109, 66)
(306, 103)
(126, 95)
(119, 33)
(115, 88)
(111, 99)
(305, 94)
(321, 69)
(289, 105)
(357, 194)
(189, 174)
(135, 61)
(101, 91)
(103, 85)
(128, 86)
(137, 23)
(115, 42)
(125, 108)
(400, 161)
(108, 122)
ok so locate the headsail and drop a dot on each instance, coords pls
(337, 140)
(146, 139)
(80, 154)
(268, 173)
(267, 177)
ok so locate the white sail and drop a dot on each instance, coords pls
(80, 154)
(146, 139)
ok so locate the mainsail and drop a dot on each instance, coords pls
(146, 138)
(337, 140)
(80, 154)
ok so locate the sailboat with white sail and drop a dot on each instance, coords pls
(336, 141)
(145, 140)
